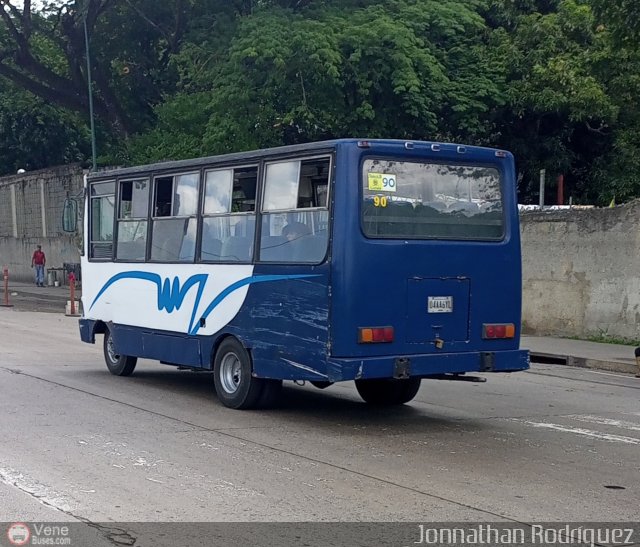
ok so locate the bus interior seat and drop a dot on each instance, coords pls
(274, 248)
(431, 219)
(131, 250)
(169, 250)
(468, 207)
(397, 219)
(370, 216)
(437, 205)
(236, 248)
(211, 249)
(311, 248)
(187, 249)
(246, 227)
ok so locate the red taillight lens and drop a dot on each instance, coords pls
(498, 331)
(375, 335)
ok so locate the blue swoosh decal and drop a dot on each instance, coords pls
(239, 284)
(170, 296)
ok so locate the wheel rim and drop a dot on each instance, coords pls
(111, 351)
(230, 373)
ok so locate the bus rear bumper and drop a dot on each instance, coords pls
(426, 365)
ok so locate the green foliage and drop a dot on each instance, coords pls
(555, 97)
(176, 134)
(396, 69)
(554, 81)
(623, 18)
(35, 135)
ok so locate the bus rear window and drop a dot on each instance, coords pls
(413, 200)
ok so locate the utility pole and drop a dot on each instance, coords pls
(89, 82)
(543, 174)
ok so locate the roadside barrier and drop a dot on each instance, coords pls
(72, 308)
(5, 275)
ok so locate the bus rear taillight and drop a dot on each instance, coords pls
(375, 335)
(502, 330)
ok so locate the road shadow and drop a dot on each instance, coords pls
(338, 404)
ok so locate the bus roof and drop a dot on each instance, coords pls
(248, 155)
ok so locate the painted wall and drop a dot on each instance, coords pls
(581, 272)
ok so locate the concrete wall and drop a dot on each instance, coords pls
(31, 207)
(581, 272)
(16, 254)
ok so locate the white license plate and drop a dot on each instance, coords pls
(440, 304)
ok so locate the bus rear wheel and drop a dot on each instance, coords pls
(388, 391)
(232, 374)
(118, 365)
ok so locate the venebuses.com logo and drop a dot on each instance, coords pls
(38, 533)
(18, 533)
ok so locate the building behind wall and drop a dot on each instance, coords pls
(31, 206)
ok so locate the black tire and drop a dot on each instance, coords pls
(118, 365)
(235, 386)
(388, 391)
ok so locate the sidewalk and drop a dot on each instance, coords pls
(579, 353)
(27, 297)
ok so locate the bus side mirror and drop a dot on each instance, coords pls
(70, 215)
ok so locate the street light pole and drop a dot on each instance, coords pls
(93, 129)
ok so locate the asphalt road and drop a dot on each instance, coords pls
(80, 445)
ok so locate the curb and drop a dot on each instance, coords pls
(584, 362)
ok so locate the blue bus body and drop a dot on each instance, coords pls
(304, 321)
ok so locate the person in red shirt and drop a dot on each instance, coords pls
(38, 261)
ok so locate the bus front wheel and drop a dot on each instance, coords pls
(118, 365)
(388, 391)
(235, 386)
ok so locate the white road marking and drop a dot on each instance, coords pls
(627, 376)
(44, 494)
(622, 424)
(580, 431)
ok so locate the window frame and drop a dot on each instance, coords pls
(432, 161)
(330, 155)
(259, 167)
(89, 239)
(118, 219)
(154, 176)
(259, 160)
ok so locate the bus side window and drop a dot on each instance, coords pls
(175, 200)
(162, 201)
(294, 211)
(132, 220)
(228, 215)
(102, 196)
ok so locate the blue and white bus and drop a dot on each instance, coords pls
(380, 261)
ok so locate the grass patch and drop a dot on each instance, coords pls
(606, 339)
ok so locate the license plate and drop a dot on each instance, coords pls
(440, 304)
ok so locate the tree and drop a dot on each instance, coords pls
(131, 45)
(622, 17)
(35, 135)
(394, 69)
(558, 114)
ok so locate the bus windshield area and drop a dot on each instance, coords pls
(415, 200)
